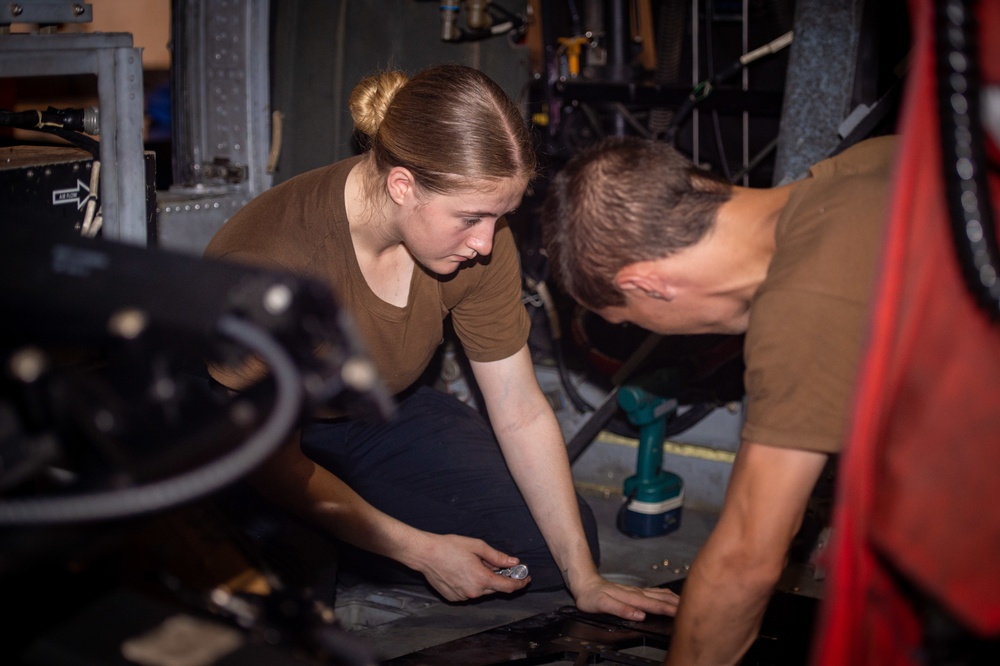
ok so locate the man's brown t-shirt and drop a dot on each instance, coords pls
(809, 319)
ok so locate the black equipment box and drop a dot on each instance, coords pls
(49, 187)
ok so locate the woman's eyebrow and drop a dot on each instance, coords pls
(481, 213)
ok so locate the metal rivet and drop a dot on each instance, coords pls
(277, 299)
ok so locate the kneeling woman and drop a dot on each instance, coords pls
(406, 234)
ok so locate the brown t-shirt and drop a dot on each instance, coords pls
(809, 318)
(301, 226)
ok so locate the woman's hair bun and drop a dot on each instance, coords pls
(371, 98)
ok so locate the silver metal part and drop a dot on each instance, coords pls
(92, 120)
(517, 572)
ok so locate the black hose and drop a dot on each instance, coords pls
(700, 92)
(555, 331)
(77, 139)
(692, 417)
(67, 124)
(579, 402)
(755, 160)
(160, 495)
(964, 158)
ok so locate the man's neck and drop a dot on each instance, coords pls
(748, 221)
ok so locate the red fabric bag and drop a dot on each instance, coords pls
(919, 493)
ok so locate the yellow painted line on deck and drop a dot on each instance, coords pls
(671, 447)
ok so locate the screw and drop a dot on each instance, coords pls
(78, 10)
(16, 9)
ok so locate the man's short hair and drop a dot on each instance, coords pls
(621, 201)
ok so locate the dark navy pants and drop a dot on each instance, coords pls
(438, 467)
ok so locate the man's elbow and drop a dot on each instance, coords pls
(763, 576)
(755, 571)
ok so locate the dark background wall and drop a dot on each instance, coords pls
(322, 48)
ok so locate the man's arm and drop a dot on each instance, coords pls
(457, 567)
(535, 452)
(733, 576)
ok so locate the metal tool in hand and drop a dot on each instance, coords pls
(517, 572)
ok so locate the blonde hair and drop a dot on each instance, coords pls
(370, 99)
(450, 125)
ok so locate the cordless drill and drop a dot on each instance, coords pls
(654, 495)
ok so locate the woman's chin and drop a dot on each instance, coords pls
(444, 267)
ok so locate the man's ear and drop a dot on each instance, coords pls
(400, 184)
(632, 278)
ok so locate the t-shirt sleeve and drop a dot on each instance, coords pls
(801, 366)
(490, 320)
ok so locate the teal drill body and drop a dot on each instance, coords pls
(655, 495)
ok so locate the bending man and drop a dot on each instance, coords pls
(637, 233)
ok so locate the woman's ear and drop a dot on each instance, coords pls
(400, 184)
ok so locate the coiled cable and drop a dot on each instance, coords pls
(197, 483)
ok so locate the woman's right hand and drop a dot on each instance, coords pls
(458, 567)
(462, 568)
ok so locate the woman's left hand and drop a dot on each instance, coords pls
(600, 595)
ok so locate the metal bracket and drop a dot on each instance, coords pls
(46, 12)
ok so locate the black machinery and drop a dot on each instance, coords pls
(110, 425)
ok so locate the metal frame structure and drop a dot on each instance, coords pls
(221, 115)
(118, 67)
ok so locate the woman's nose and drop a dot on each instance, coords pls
(481, 241)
